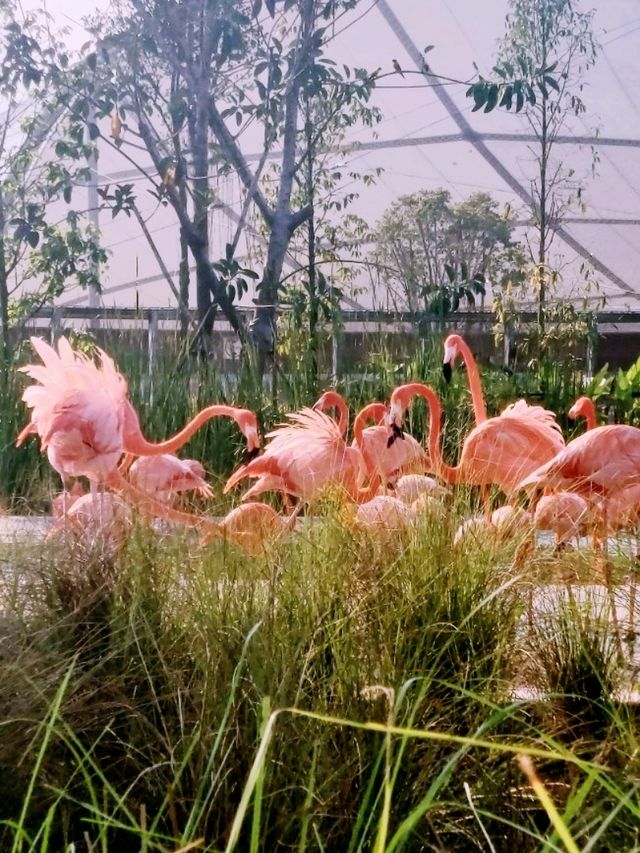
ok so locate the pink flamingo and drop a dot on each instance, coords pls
(539, 437)
(79, 412)
(78, 405)
(566, 514)
(86, 520)
(304, 457)
(165, 476)
(387, 462)
(563, 513)
(498, 451)
(61, 504)
(333, 400)
(503, 523)
(381, 460)
(252, 526)
(598, 465)
(584, 407)
(384, 513)
(623, 507)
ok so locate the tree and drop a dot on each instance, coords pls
(189, 80)
(434, 255)
(37, 244)
(557, 37)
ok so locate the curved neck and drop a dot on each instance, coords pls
(372, 412)
(417, 389)
(135, 442)
(333, 400)
(589, 412)
(475, 385)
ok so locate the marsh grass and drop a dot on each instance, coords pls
(334, 693)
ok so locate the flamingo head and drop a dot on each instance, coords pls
(580, 409)
(248, 424)
(329, 400)
(451, 352)
(395, 416)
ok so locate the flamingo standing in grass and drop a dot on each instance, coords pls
(566, 514)
(584, 407)
(599, 465)
(520, 439)
(77, 405)
(499, 451)
(252, 526)
(82, 415)
(305, 456)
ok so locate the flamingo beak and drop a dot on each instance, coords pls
(396, 433)
(450, 353)
(250, 454)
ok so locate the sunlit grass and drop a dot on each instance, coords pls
(335, 693)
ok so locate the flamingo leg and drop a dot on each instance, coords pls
(608, 580)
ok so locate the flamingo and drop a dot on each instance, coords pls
(164, 476)
(584, 407)
(252, 526)
(381, 460)
(416, 487)
(387, 462)
(304, 457)
(85, 520)
(79, 411)
(61, 504)
(565, 514)
(73, 393)
(537, 439)
(502, 524)
(599, 465)
(499, 450)
(384, 513)
(333, 400)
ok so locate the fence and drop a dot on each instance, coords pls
(616, 335)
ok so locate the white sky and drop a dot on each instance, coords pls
(462, 31)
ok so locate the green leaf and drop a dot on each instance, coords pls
(552, 82)
(492, 98)
(92, 61)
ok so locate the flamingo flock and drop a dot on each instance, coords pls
(88, 427)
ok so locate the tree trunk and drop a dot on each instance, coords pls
(284, 223)
(5, 344)
(183, 283)
(311, 237)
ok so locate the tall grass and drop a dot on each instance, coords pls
(336, 693)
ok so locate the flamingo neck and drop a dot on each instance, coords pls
(372, 412)
(589, 412)
(475, 385)
(448, 473)
(333, 400)
(136, 443)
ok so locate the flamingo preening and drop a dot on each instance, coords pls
(305, 456)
